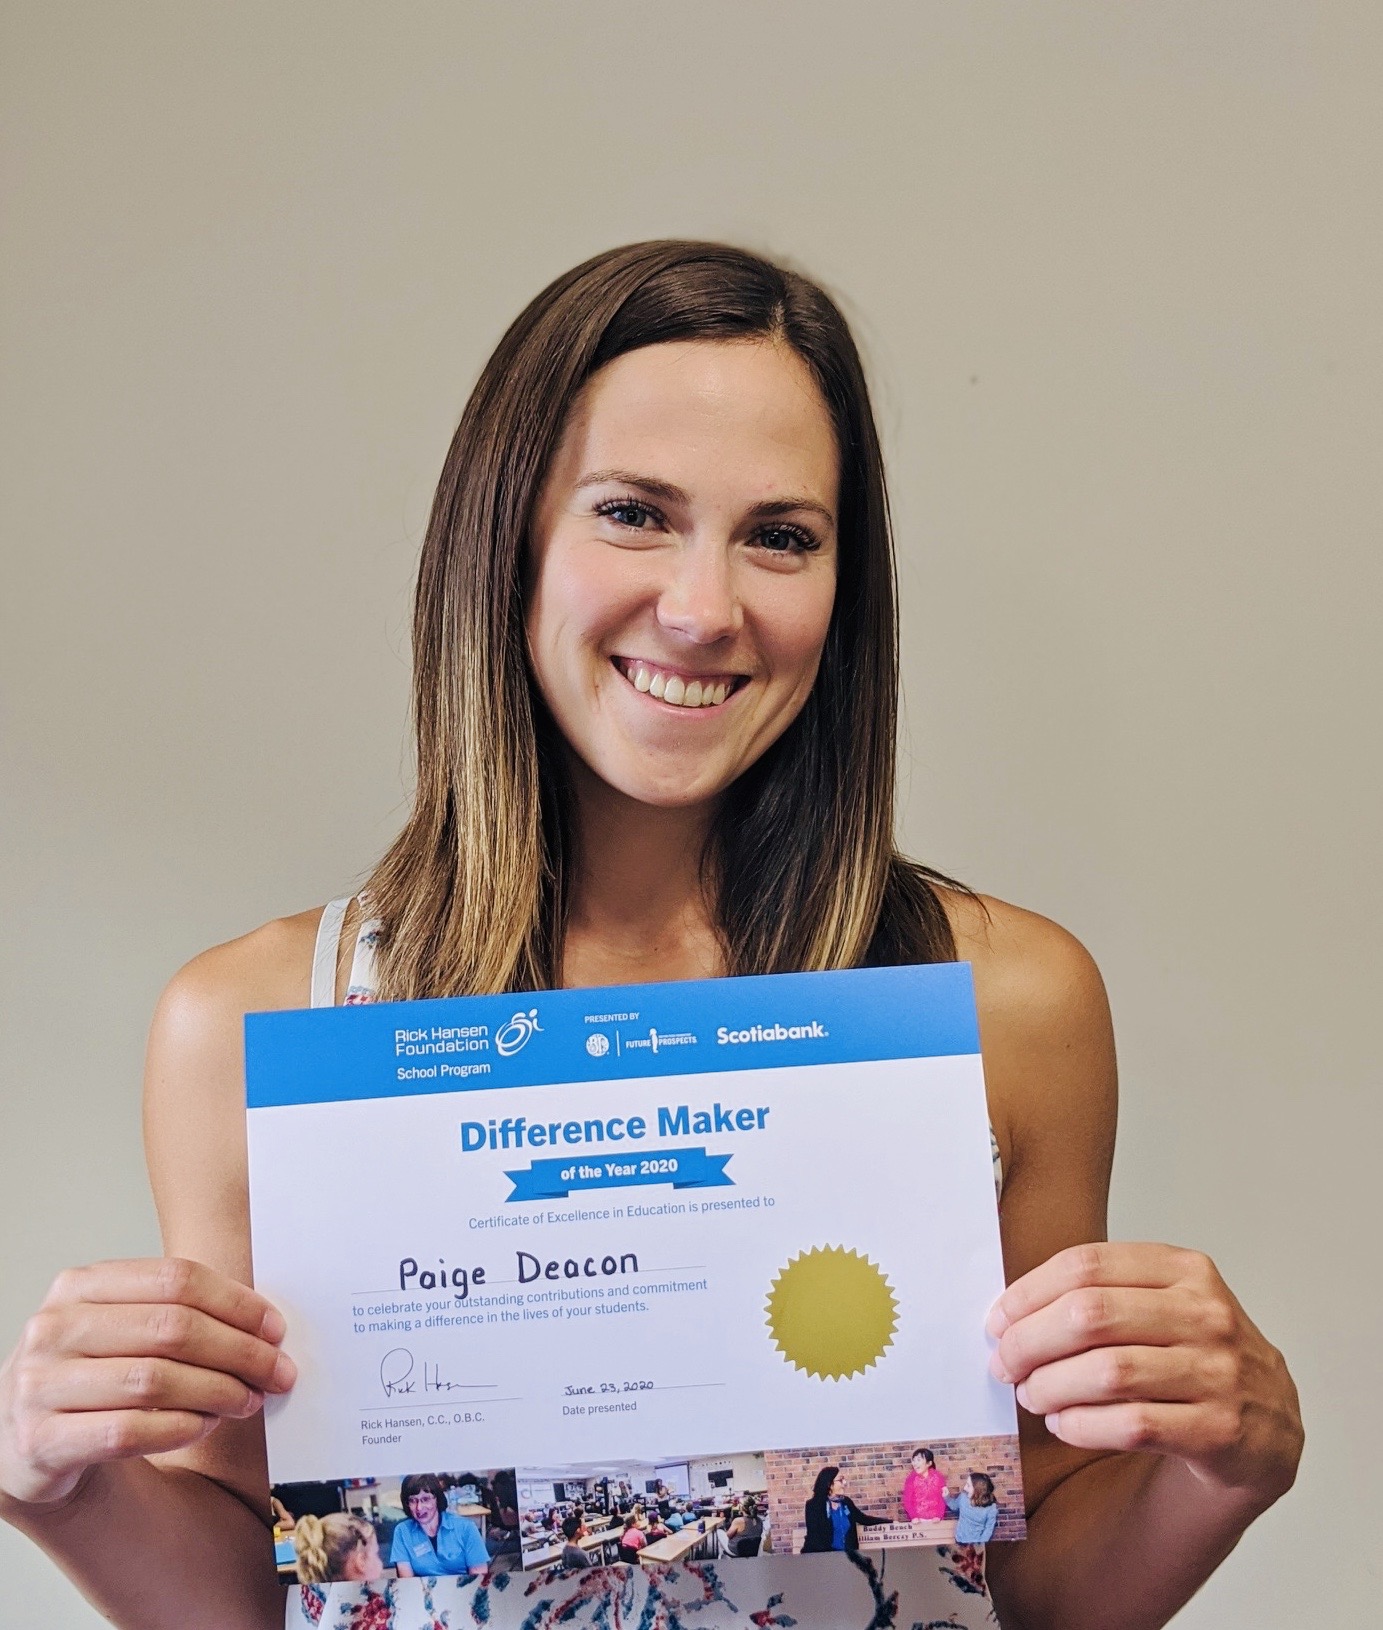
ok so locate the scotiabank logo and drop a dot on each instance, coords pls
(512, 1037)
(814, 1031)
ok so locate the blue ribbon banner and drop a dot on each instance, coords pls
(556, 1179)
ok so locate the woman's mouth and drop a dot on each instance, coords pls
(676, 686)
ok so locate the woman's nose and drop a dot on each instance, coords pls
(700, 600)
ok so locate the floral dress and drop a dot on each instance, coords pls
(941, 1588)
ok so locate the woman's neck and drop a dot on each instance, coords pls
(638, 910)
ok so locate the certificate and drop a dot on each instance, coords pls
(662, 1252)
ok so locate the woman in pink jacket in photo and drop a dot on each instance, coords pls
(924, 1489)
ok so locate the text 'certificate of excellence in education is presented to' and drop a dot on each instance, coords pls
(656, 1250)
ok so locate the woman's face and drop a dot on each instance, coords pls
(363, 1562)
(683, 564)
(422, 1507)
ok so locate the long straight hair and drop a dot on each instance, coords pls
(801, 865)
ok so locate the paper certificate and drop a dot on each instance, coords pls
(649, 1256)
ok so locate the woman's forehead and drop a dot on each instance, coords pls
(748, 410)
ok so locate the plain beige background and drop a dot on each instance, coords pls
(1116, 269)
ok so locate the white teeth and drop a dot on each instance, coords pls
(676, 690)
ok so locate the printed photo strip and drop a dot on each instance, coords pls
(867, 1497)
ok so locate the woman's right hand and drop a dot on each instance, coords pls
(131, 1358)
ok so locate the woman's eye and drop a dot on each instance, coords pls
(786, 540)
(626, 512)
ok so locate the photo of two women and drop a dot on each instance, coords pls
(424, 1525)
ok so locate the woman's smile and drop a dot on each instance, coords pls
(678, 687)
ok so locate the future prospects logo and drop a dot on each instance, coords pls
(512, 1037)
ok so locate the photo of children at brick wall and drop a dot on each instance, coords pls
(956, 1491)
(424, 1525)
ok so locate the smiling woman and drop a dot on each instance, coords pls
(656, 598)
(655, 696)
(676, 634)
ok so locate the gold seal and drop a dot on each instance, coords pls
(832, 1313)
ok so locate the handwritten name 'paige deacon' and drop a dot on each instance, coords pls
(462, 1281)
(518, 1132)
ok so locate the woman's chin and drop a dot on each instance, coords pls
(691, 799)
(663, 787)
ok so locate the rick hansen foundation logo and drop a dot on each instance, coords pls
(512, 1037)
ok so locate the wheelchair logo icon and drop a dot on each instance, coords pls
(512, 1037)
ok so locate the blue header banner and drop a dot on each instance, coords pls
(608, 1033)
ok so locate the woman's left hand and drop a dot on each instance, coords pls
(1144, 1347)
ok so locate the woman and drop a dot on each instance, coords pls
(655, 696)
(337, 1546)
(431, 1540)
(833, 1518)
(975, 1510)
(502, 1531)
(745, 1532)
(633, 1539)
(924, 1489)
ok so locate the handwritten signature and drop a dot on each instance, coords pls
(396, 1376)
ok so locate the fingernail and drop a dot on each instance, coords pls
(253, 1403)
(273, 1328)
(285, 1372)
(1053, 1422)
(997, 1322)
(998, 1370)
(1022, 1393)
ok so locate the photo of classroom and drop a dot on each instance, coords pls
(423, 1524)
(639, 1511)
(877, 1496)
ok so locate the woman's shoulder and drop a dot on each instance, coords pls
(1044, 1026)
(1024, 963)
(194, 1083)
(270, 967)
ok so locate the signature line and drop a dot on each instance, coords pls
(398, 1409)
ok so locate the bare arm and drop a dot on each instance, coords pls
(131, 1447)
(1156, 1421)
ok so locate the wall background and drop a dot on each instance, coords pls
(1117, 271)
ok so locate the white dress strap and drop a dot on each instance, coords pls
(362, 984)
(325, 955)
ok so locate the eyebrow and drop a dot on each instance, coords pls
(670, 494)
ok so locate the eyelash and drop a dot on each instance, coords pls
(804, 542)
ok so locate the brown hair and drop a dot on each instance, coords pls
(323, 1545)
(422, 1483)
(983, 1485)
(801, 866)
